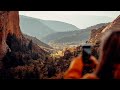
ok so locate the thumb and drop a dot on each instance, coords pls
(94, 60)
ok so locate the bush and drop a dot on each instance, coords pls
(25, 72)
(51, 71)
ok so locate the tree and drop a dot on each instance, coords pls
(67, 54)
(30, 45)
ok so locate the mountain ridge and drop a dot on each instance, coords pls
(37, 41)
(72, 36)
(40, 28)
(96, 34)
(29, 25)
(60, 26)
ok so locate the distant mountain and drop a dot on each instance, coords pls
(82, 36)
(71, 36)
(34, 27)
(37, 41)
(40, 28)
(59, 26)
(84, 21)
(97, 26)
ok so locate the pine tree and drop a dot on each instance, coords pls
(30, 45)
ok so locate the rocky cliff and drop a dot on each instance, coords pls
(96, 34)
(9, 24)
(11, 37)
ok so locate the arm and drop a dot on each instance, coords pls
(75, 69)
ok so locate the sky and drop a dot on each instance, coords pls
(72, 17)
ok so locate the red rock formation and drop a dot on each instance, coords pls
(115, 25)
(9, 24)
(97, 34)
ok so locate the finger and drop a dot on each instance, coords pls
(94, 60)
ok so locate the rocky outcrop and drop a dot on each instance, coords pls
(12, 39)
(97, 34)
(115, 25)
(9, 24)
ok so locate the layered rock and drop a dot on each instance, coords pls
(11, 36)
(97, 34)
(9, 24)
(115, 25)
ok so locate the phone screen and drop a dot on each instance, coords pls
(87, 50)
(86, 53)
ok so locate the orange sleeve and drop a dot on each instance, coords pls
(90, 76)
(75, 69)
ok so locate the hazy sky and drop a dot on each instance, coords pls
(69, 16)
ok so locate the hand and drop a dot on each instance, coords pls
(94, 62)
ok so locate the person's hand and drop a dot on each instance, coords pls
(75, 69)
(94, 62)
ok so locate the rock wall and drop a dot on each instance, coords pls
(115, 25)
(97, 34)
(9, 24)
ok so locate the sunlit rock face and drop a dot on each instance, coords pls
(9, 24)
(115, 25)
(96, 34)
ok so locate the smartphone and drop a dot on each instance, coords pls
(86, 53)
